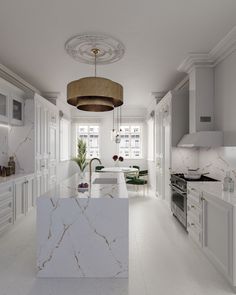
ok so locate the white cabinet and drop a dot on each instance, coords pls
(16, 111)
(24, 195)
(194, 215)
(172, 122)
(46, 145)
(11, 108)
(19, 197)
(4, 107)
(218, 233)
(6, 207)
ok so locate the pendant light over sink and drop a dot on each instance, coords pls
(95, 94)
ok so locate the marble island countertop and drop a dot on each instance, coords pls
(216, 190)
(69, 187)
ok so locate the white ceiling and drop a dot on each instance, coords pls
(157, 34)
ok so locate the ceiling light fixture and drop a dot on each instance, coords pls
(95, 94)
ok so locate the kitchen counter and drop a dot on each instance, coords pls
(11, 178)
(69, 187)
(215, 188)
(84, 234)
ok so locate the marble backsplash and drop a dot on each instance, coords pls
(18, 141)
(218, 161)
(184, 158)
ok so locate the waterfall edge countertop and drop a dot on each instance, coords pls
(69, 187)
(84, 234)
(216, 190)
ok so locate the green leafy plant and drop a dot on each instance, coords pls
(81, 155)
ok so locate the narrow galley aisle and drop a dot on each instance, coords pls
(162, 260)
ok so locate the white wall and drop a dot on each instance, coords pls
(107, 147)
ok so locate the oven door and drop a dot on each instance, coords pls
(179, 204)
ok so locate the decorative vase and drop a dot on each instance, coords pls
(117, 164)
(82, 176)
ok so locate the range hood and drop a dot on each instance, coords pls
(202, 139)
(201, 114)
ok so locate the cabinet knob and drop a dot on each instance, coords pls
(192, 206)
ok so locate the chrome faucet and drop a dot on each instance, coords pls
(90, 168)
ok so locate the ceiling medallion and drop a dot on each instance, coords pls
(80, 48)
(95, 94)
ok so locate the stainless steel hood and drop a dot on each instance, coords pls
(202, 139)
(201, 110)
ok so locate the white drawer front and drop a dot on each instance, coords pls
(195, 195)
(194, 230)
(195, 211)
(6, 221)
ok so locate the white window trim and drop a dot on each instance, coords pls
(99, 135)
(141, 136)
(69, 141)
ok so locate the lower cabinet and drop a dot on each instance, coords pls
(24, 196)
(218, 233)
(6, 207)
(210, 225)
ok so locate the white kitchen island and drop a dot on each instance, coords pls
(84, 234)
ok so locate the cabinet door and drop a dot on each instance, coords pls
(29, 193)
(17, 111)
(19, 197)
(4, 107)
(218, 233)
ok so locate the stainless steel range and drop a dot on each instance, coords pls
(179, 195)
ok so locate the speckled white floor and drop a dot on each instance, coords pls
(162, 261)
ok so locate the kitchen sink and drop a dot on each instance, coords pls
(103, 180)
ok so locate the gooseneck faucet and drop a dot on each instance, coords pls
(90, 167)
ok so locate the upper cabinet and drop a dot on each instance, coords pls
(4, 107)
(16, 111)
(11, 108)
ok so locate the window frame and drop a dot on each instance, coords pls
(133, 124)
(99, 136)
(68, 158)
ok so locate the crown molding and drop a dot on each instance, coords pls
(17, 81)
(223, 49)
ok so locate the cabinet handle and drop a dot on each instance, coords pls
(202, 199)
(192, 206)
(192, 224)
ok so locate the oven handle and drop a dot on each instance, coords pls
(177, 190)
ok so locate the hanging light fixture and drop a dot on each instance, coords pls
(94, 94)
(116, 130)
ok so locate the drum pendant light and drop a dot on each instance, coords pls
(95, 94)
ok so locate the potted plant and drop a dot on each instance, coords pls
(81, 156)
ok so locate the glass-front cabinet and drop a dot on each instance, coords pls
(16, 111)
(4, 107)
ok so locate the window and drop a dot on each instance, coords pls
(131, 141)
(64, 139)
(90, 134)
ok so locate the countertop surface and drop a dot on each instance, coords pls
(5, 180)
(216, 190)
(69, 187)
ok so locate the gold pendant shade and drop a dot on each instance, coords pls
(95, 94)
